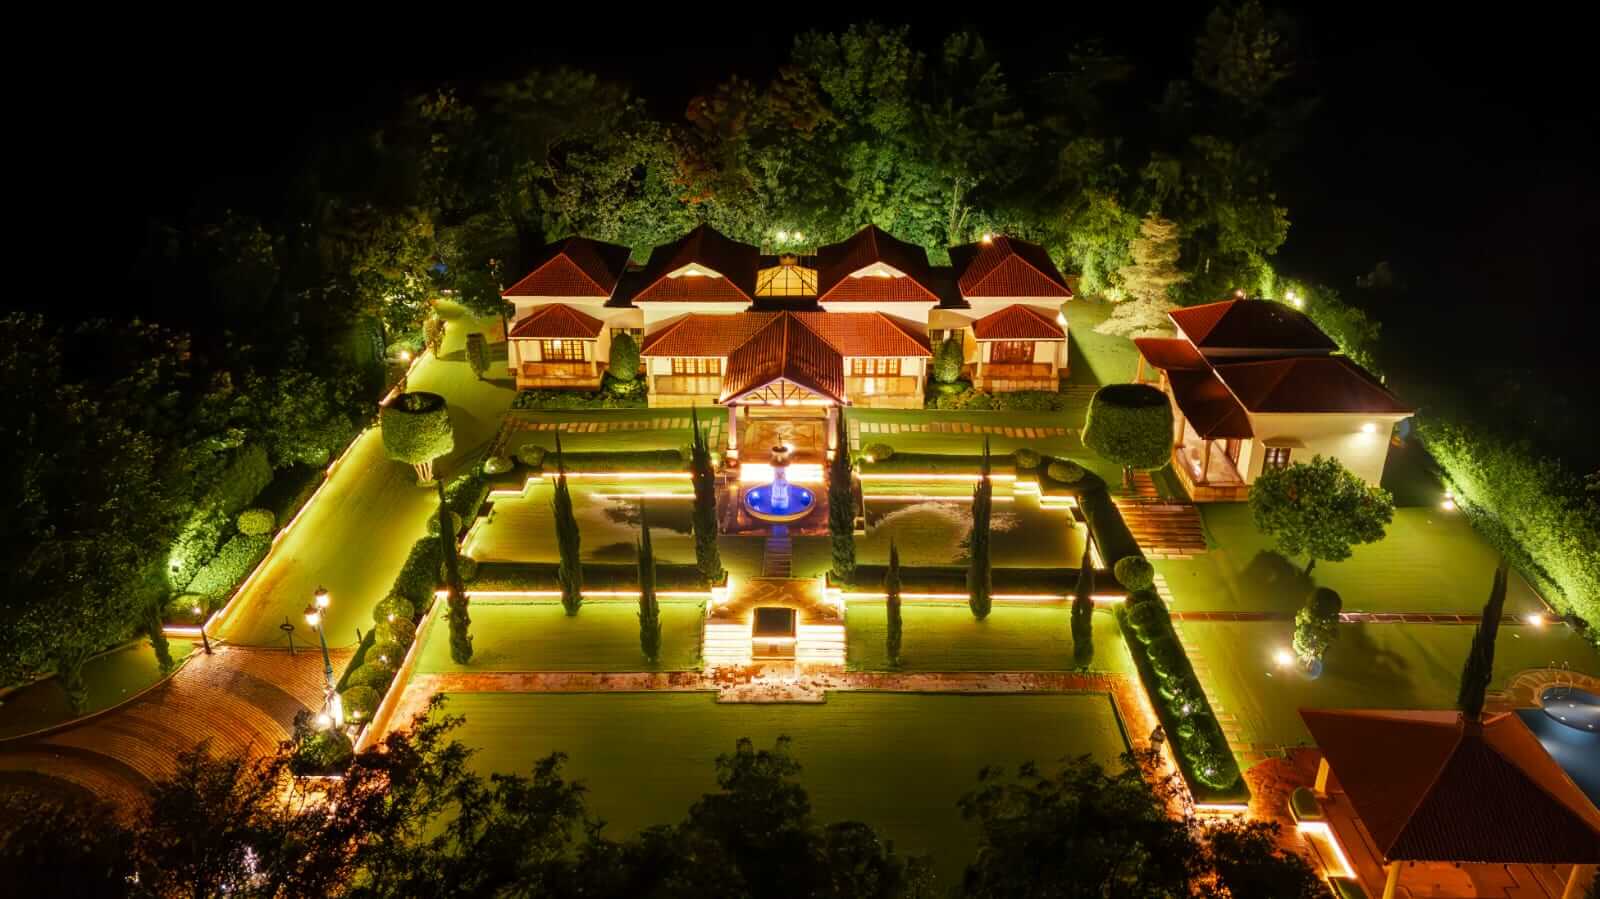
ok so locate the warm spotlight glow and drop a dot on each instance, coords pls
(987, 237)
(313, 617)
(783, 236)
(1298, 303)
(798, 236)
(1061, 319)
(1369, 428)
(1239, 294)
(1283, 657)
(324, 721)
(1447, 504)
(320, 598)
(1534, 619)
(405, 355)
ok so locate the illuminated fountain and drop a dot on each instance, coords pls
(779, 501)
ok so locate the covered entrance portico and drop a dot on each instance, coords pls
(781, 413)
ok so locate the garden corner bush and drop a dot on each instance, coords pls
(1026, 459)
(316, 751)
(1135, 573)
(235, 561)
(399, 631)
(360, 702)
(374, 674)
(1066, 472)
(433, 523)
(418, 577)
(466, 566)
(256, 522)
(579, 399)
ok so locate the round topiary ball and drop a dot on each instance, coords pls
(416, 428)
(1135, 573)
(496, 465)
(466, 565)
(1066, 472)
(1166, 656)
(393, 606)
(386, 653)
(1147, 619)
(400, 631)
(1026, 459)
(433, 524)
(1130, 425)
(531, 455)
(877, 452)
(359, 703)
(372, 674)
(256, 522)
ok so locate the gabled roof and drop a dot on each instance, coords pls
(573, 267)
(1308, 384)
(735, 263)
(1018, 322)
(849, 333)
(1260, 326)
(1208, 406)
(1007, 267)
(1170, 353)
(838, 263)
(1432, 787)
(555, 321)
(705, 335)
(785, 349)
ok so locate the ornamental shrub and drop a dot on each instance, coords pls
(1026, 459)
(419, 576)
(400, 631)
(316, 751)
(1135, 573)
(952, 388)
(466, 566)
(433, 524)
(612, 395)
(1131, 426)
(497, 465)
(948, 359)
(416, 430)
(374, 674)
(359, 703)
(1148, 620)
(256, 522)
(1065, 472)
(975, 400)
(616, 391)
(386, 653)
(877, 452)
(1166, 656)
(393, 604)
(624, 364)
(230, 565)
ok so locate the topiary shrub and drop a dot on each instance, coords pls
(497, 465)
(1065, 472)
(256, 522)
(1148, 619)
(624, 362)
(386, 653)
(1026, 459)
(419, 576)
(316, 751)
(531, 455)
(1166, 656)
(433, 524)
(399, 631)
(1131, 426)
(951, 389)
(416, 430)
(374, 674)
(948, 359)
(877, 452)
(466, 565)
(359, 703)
(393, 606)
(1135, 573)
(230, 565)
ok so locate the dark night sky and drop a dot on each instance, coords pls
(1461, 151)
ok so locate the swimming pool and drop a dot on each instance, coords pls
(1568, 725)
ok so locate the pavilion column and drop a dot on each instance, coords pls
(733, 431)
(1392, 885)
(1177, 441)
(1321, 787)
(1138, 373)
(1578, 881)
(1205, 463)
(833, 428)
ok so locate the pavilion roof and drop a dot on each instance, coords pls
(556, 321)
(847, 333)
(573, 267)
(1252, 325)
(1430, 786)
(1007, 267)
(1208, 405)
(1308, 384)
(1170, 353)
(787, 349)
(838, 263)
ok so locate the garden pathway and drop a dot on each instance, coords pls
(239, 701)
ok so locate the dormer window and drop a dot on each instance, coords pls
(878, 270)
(693, 270)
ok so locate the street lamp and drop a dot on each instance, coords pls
(319, 601)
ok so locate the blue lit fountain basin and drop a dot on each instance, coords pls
(758, 501)
(1570, 706)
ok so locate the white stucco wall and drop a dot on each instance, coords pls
(1338, 435)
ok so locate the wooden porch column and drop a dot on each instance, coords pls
(1205, 464)
(733, 431)
(833, 427)
(1578, 881)
(1321, 786)
(1138, 373)
(1391, 885)
(1183, 424)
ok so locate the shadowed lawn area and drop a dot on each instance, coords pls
(1430, 561)
(935, 532)
(1368, 666)
(897, 761)
(521, 529)
(542, 637)
(947, 638)
(1097, 358)
(111, 679)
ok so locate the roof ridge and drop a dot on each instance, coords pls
(1425, 792)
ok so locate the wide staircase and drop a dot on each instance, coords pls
(777, 555)
(1165, 529)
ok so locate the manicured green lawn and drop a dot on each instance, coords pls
(111, 679)
(897, 761)
(604, 636)
(1430, 561)
(521, 529)
(1097, 358)
(948, 638)
(935, 532)
(1369, 666)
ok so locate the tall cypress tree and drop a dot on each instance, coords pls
(649, 609)
(842, 505)
(158, 636)
(1083, 614)
(570, 574)
(460, 621)
(980, 577)
(704, 520)
(891, 590)
(1479, 668)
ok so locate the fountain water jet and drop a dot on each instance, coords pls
(779, 500)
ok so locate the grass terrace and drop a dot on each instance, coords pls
(112, 678)
(540, 636)
(945, 637)
(1097, 358)
(896, 760)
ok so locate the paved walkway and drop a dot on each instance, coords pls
(953, 427)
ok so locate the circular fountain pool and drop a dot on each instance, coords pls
(1575, 708)
(762, 504)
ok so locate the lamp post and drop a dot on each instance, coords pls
(319, 601)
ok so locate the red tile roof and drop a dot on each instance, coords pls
(557, 321)
(849, 333)
(1307, 384)
(1430, 787)
(1018, 322)
(785, 349)
(837, 262)
(1259, 325)
(705, 335)
(1208, 406)
(573, 267)
(706, 247)
(1170, 354)
(1007, 267)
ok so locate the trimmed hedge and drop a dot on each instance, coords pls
(1130, 425)
(291, 489)
(400, 631)
(256, 522)
(947, 397)
(877, 452)
(230, 566)
(645, 460)
(953, 579)
(497, 465)
(1065, 472)
(578, 399)
(466, 566)
(1105, 523)
(433, 523)
(1026, 459)
(936, 463)
(234, 487)
(418, 577)
(596, 576)
(531, 454)
(393, 604)
(1135, 573)
(416, 427)
(360, 702)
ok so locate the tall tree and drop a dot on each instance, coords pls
(155, 630)
(649, 609)
(842, 505)
(460, 621)
(570, 572)
(1478, 672)
(891, 601)
(1316, 625)
(1147, 282)
(1083, 613)
(980, 576)
(478, 353)
(1250, 862)
(1319, 508)
(704, 523)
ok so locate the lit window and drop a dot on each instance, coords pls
(1012, 351)
(696, 365)
(561, 350)
(1277, 457)
(876, 365)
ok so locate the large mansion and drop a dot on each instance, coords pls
(720, 322)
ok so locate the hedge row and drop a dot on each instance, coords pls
(953, 579)
(596, 576)
(944, 397)
(940, 463)
(644, 460)
(230, 566)
(234, 487)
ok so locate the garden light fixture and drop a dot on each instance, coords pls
(1534, 619)
(1283, 657)
(320, 601)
